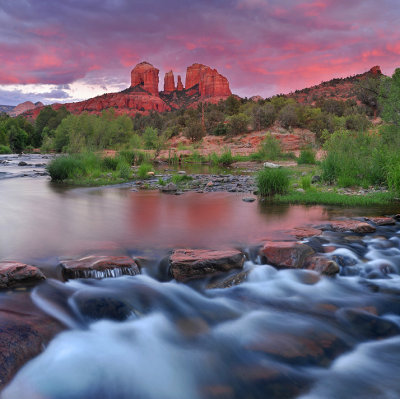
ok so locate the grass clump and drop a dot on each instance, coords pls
(271, 181)
(89, 169)
(314, 197)
(306, 157)
(179, 179)
(4, 149)
(305, 182)
(143, 170)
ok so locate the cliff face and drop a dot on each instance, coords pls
(210, 82)
(202, 84)
(145, 76)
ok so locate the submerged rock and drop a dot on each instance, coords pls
(169, 188)
(286, 254)
(14, 273)
(99, 267)
(187, 264)
(382, 221)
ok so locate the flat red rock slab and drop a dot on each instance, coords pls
(187, 264)
(351, 225)
(304, 232)
(99, 266)
(382, 221)
(15, 273)
(286, 254)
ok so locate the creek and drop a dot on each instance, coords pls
(279, 334)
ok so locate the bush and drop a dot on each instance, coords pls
(150, 137)
(5, 149)
(288, 116)
(271, 181)
(124, 170)
(238, 124)
(144, 168)
(269, 150)
(220, 130)
(263, 116)
(194, 131)
(63, 168)
(109, 163)
(307, 156)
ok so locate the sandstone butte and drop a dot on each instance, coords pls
(203, 84)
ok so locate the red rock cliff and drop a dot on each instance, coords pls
(145, 76)
(169, 82)
(211, 83)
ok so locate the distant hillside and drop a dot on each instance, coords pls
(6, 108)
(337, 89)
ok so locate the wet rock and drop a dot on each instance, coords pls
(23, 336)
(22, 163)
(14, 274)
(382, 221)
(187, 264)
(315, 179)
(99, 267)
(367, 324)
(322, 265)
(304, 232)
(93, 307)
(286, 254)
(349, 225)
(248, 199)
(169, 188)
(230, 281)
(343, 260)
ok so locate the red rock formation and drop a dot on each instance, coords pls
(145, 76)
(211, 83)
(23, 107)
(179, 85)
(376, 70)
(169, 82)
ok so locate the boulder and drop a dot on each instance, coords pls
(14, 273)
(169, 188)
(145, 76)
(187, 264)
(304, 232)
(271, 165)
(94, 266)
(286, 254)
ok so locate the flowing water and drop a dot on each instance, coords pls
(280, 334)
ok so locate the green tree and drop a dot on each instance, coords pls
(18, 139)
(238, 124)
(232, 105)
(389, 98)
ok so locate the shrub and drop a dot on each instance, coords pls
(194, 130)
(144, 168)
(109, 163)
(63, 168)
(238, 124)
(263, 116)
(270, 149)
(220, 130)
(288, 116)
(150, 137)
(226, 158)
(271, 181)
(307, 156)
(124, 170)
(5, 149)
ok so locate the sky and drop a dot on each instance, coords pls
(69, 50)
